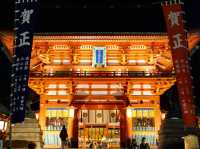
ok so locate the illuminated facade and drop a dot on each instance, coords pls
(101, 85)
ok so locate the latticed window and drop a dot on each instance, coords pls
(51, 92)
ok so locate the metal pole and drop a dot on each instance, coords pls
(10, 136)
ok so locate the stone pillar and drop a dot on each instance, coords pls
(123, 128)
(75, 129)
(191, 142)
(191, 138)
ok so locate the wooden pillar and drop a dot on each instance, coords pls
(42, 113)
(123, 128)
(157, 119)
(106, 131)
(75, 129)
(70, 127)
(157, 114)
(129, 127)
(85, 134)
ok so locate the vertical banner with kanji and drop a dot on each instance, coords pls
(174, 18)
(25, 13)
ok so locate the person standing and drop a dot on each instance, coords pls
(63, 137)
(91, 145)
(104, 145)
(144, 144)
(134, 144)
(31, 145)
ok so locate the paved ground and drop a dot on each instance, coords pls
(152, 147)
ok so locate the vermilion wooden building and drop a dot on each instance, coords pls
(102, 86)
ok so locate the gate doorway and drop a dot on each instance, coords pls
(99, 126)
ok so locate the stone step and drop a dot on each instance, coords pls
(25, 148)
(27, 130)
(21, 144)
(16, 148)
(26, 137)
(31, 125)
(28, 120)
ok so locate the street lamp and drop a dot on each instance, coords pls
(3, 122)
(163, 115)
(3, 125)
(37, 115)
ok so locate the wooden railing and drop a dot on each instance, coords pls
(101, 74)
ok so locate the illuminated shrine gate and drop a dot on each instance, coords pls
(100, 86)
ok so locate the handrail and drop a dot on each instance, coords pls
(100, 74)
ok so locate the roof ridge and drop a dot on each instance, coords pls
(101, 33)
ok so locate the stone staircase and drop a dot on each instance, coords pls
(26, 132)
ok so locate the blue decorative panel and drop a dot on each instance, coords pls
(99, 56)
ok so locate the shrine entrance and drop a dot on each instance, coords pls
(98, 126)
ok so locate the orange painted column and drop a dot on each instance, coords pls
(70, 127)
(123, 128)
(157, 115)
(75, 129)
(106, 131)
(42, 113)
(129, 127)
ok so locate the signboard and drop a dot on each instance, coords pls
(99, 56)
(177, 35)
(25, 11)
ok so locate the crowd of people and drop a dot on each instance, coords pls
(97, 145)
(65, 143)
(131, 145)
(102, 144)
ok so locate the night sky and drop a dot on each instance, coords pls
(130, 15)
(5, 68)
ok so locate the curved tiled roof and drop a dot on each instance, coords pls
(101, 33)
(111, 36)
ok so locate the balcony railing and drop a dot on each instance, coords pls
(101, 74)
